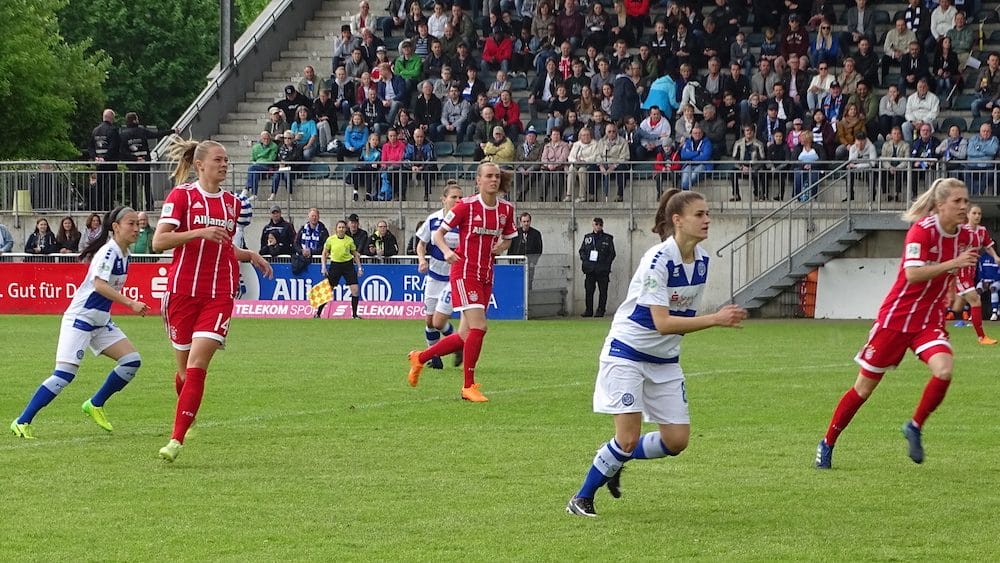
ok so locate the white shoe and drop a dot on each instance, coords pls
(253, 197)
(245, 192)
(331, 146)
(270, 197)
(993, 317)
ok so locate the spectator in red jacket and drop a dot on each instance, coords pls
(497, 51)
(507, 112)
(636, 16)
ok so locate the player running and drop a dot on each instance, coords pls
(485, 226)
(911, 315)
(199, 221)
(437, 291)
(87, 324)
(640, 374)
(965, 283)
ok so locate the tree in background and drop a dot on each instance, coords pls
(160, 51)
(49, 88)
(246, 11)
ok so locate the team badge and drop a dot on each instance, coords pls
(79, 354)
(650, 283)
(869, 352)
(474, 296)
(913, 250)
(628, 399)
(503, 219)
(701, 268)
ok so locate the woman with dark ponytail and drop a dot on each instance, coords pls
(640, 374)
(87, 323)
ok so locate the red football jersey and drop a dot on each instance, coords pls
(981, 240)
(480, 228)
(202, 268)
(912, 307)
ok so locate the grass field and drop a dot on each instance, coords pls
(310, 446)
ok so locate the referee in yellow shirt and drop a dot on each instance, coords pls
(343, 256)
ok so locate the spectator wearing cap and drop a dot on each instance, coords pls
(355, 231)
(289, 105)
(860, 23)
(289, 152)
(769, 123)
(276, 124)
(344, 45)
(310, 85)
(281, 228)
(834, 103)
(528, 151)
(497, 51)
(409, 67)
(499, 149)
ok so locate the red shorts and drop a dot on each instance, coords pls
(886, 347)
(470, 294)
(189, 317)
(965, 281)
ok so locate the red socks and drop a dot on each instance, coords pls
(188, 402)
(977, 321)
(470, 354)
(447, 345)
(178, 383)
(842, 415)
(933, 395)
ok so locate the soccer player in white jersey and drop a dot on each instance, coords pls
(87, 324)
(437, 290)
(640, 374)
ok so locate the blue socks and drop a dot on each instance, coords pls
(432, 335)
(447, 330)
(609, 459)
(118, 378)
(48, 390)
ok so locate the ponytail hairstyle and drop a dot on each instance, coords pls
(929, 200)
(185, 153)
(112, 217)
(672, 202)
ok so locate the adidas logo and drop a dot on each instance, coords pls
(477, 218)
(197, 205)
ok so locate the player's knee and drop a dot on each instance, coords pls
(676, 444)
(628, 443)
(128, 365)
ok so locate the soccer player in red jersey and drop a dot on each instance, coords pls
(198, 222)
(911, 315)
(486, 227)
(965, 284)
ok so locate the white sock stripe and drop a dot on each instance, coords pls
(613, 445)
(606, 462)
(128, 365)
(55, 384)
(652, 445)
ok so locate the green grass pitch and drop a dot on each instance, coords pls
(310, 446)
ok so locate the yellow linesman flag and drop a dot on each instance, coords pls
(320, 294)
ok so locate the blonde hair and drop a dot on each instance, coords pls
(936, 194)
(185, 153)
(672, 202)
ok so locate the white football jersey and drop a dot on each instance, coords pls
(661, 279)
(438, 268)
(88, 306)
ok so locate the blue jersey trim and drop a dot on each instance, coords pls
(84, 326)
(618, 349)
(99, 302)
(643, 317)
(684, 313)
(437, 276)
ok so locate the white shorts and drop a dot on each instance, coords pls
(437, 297)
(624, 386)
(73, 340)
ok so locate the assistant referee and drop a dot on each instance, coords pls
(341, 252)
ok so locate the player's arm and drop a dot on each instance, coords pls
(106, 290)
(927, 272)
(263, 266)
(167, 237)
(421, 250)
(728, 316)
(449, 255)
(502, 246)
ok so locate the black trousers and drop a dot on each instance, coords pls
(599, 281)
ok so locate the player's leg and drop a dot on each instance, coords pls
(73, 342)
(442, 319)
(447, 345)
(128, 362)
(432, 334)
(474, 325)
(994, 299)
(976, 306)
(938, 357)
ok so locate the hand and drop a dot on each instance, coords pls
(451, 257)
(138, 307)
(967, 259)
(323, 270)
(361, 272)
(730, 316)
(263, 266)
(217, 235)
(422, 265)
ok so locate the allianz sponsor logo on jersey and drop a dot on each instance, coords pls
(200, 220)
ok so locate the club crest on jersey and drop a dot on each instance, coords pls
(913, 250)
(503, 219)
(869, 352)
(628, 399)
(474, 296)
(701, 268)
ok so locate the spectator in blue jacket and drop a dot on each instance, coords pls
(391, 92)
(420, 159)
(306, 133)
(982, 150)
(6, 240)
(355, 137)
(696, 153)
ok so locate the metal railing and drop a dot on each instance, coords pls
(770, 242)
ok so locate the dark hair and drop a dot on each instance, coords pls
(672, 202)
(599, 221)
(525, 214)
(110, 218)
(66, 236)
(131, 119)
